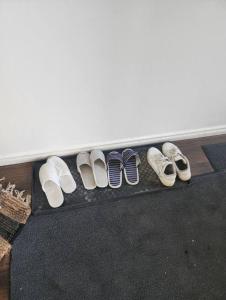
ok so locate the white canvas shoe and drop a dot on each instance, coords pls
(162, 166)
(179, 160)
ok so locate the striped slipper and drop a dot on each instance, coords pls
(115, 166)
(131, 161)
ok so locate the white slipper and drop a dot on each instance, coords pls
(85, 169)
(99, 167)
(51, 185)
(66, 180)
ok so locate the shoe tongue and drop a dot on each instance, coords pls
(168, 169)
(179, 157)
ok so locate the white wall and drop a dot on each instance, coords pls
(84, 71)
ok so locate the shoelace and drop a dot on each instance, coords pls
(163, 161)
(179, 155)
(173, 154)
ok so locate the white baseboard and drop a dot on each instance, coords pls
(173, 136)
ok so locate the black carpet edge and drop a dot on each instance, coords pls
(206, 149)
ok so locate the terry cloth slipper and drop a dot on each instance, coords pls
(115, 166)
(51, 185)
(131, 161)
(85, 169)
(98, 163)
(66, 180)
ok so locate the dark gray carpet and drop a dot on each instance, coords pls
(216, 153)
(149, 182)
(156, 246)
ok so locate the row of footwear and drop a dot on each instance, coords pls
(56, 178)
(96, 171)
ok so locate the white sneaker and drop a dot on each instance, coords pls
(162, 166)
(179, 160)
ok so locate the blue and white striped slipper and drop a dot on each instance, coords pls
(115, 166)
(131, 161)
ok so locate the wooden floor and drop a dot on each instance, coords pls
(21, 175)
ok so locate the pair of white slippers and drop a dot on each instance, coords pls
(92, 169)
(169, 164)
(55, 176)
